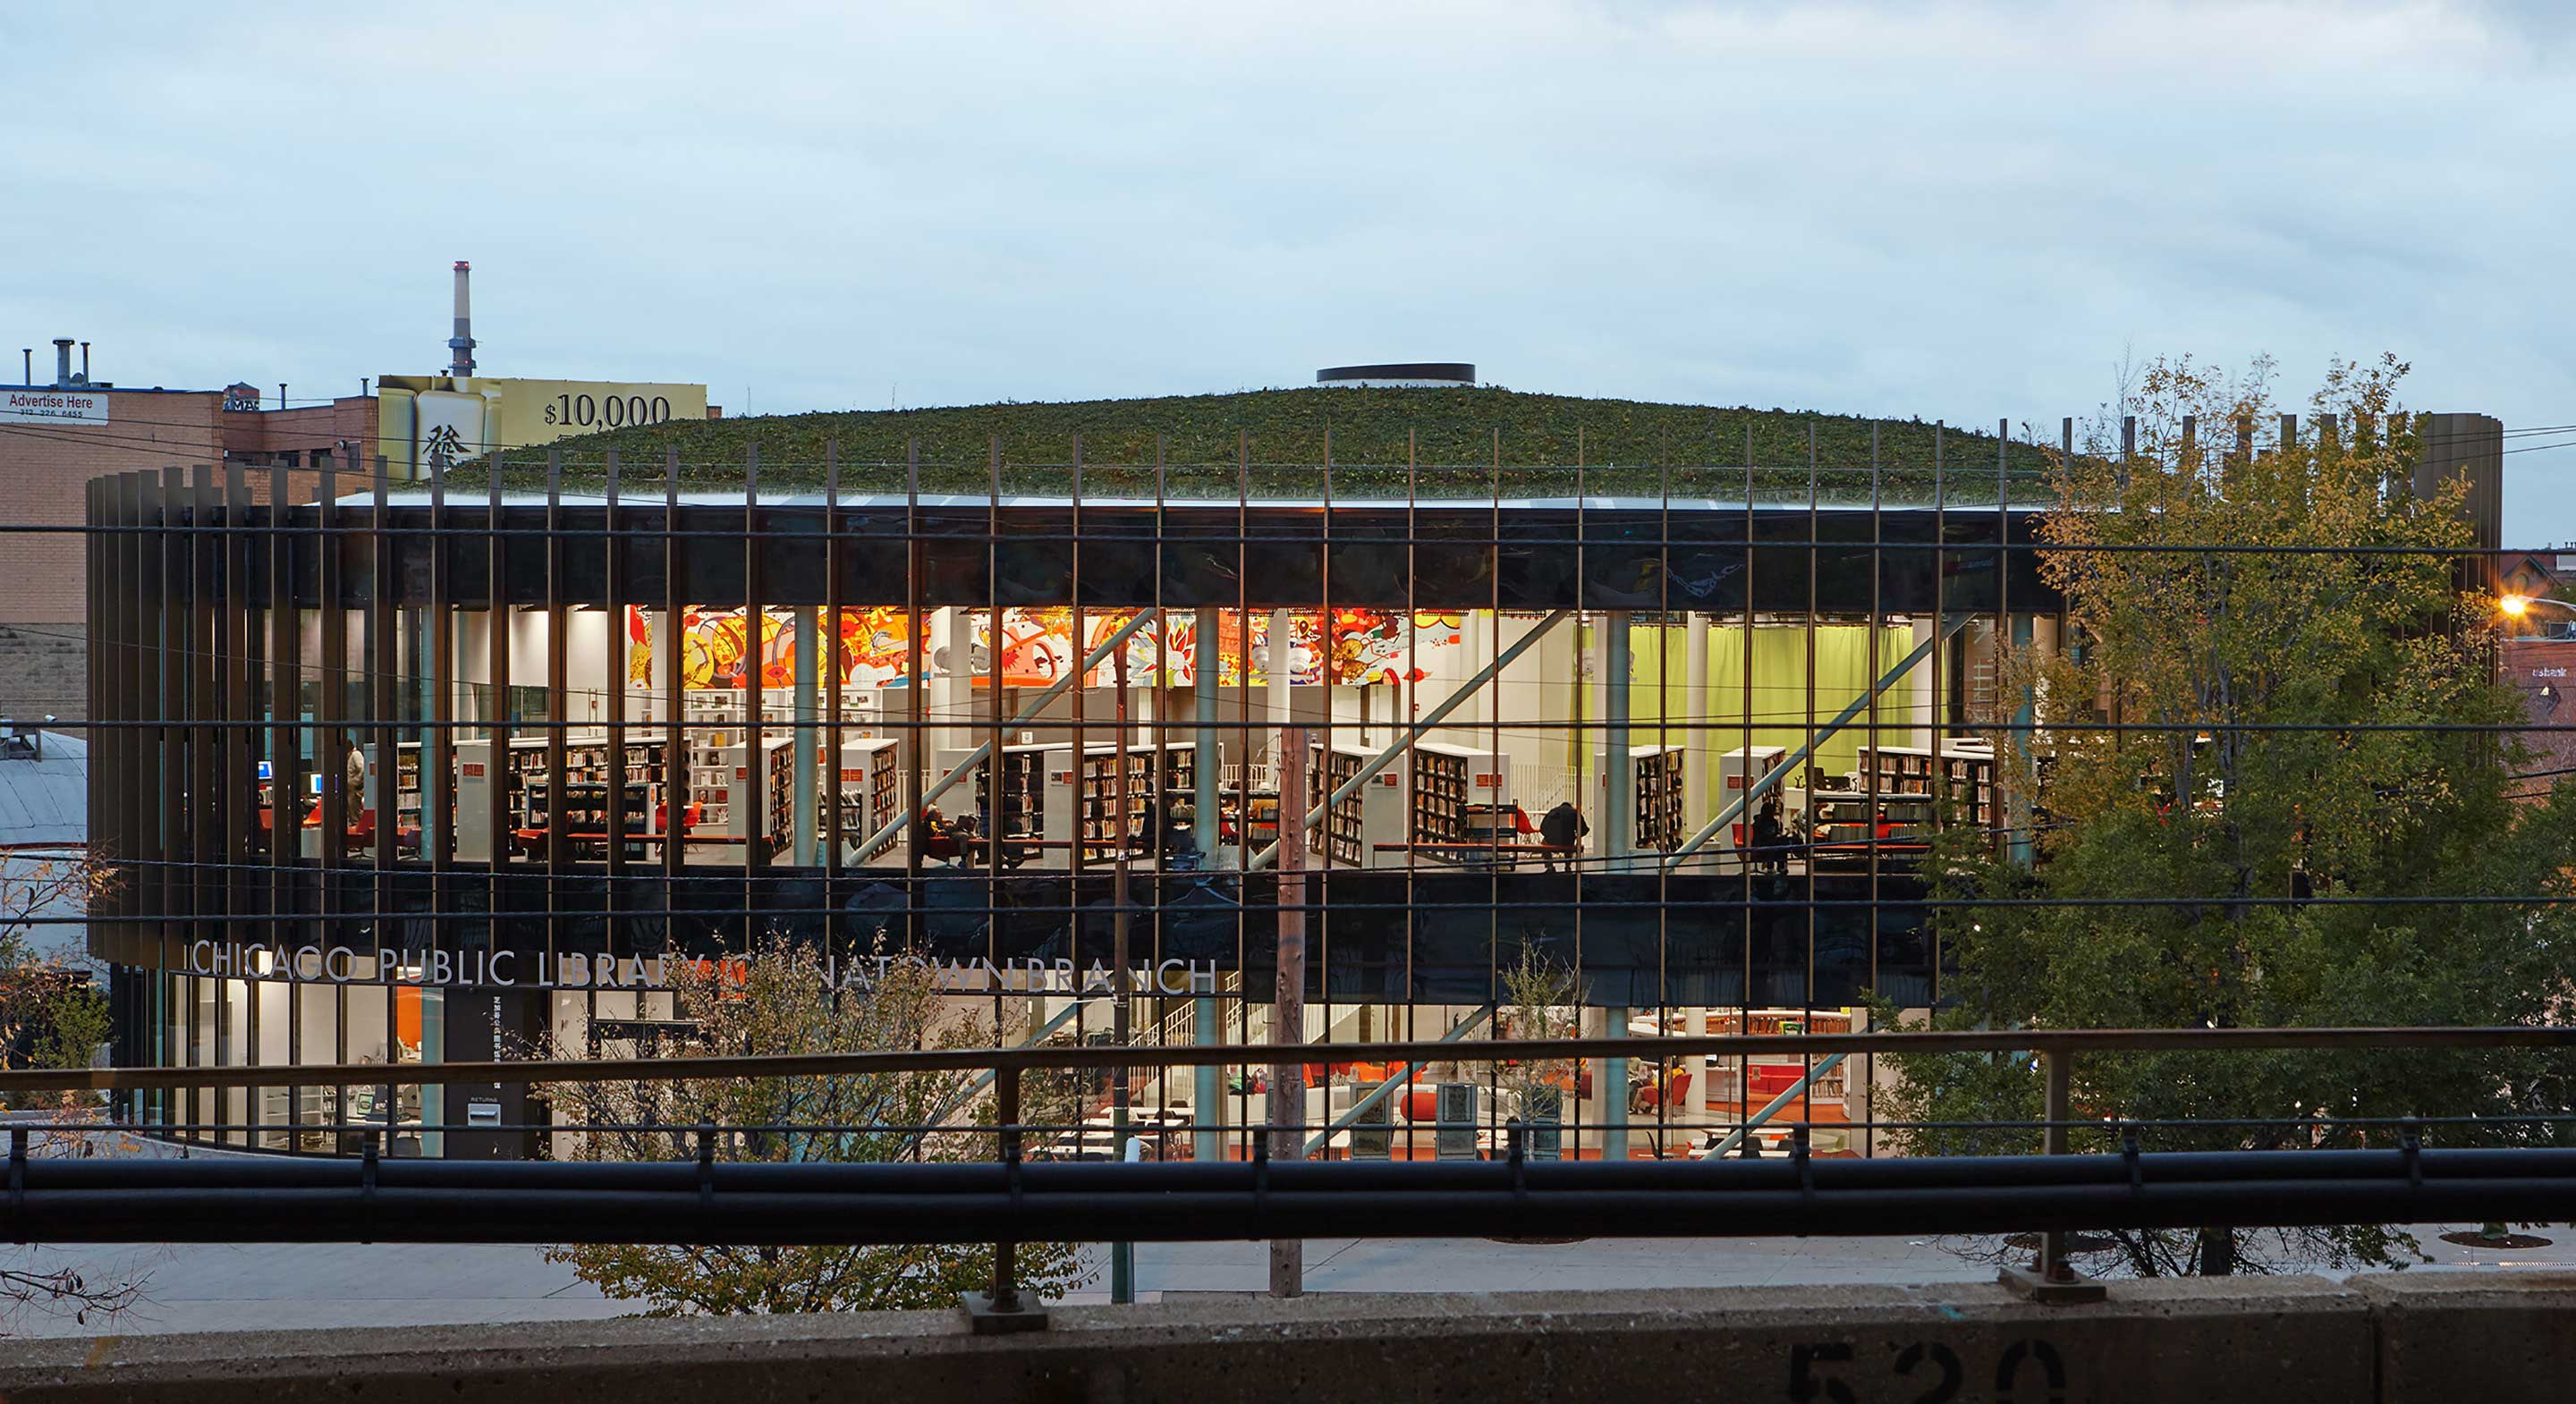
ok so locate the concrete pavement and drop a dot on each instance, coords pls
(231, 1287)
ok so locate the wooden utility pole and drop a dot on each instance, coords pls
(1287, 1102)
(1122, 1256)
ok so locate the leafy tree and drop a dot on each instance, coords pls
(52, 1017)
(783, 1001)
(2328, 875)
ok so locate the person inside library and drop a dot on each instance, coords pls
(1561, 831)
(938, 841)
(1770, 838)
(1180, 842)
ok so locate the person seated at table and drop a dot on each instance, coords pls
(937, 839)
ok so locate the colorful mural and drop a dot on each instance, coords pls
(1369, 647)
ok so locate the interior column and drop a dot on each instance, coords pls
(805, 640)
(1279, 650)
(1695, 803)
(1618, 771)
(952, 686)
(1211, 755)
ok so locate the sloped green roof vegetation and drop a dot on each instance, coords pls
(1453, 437)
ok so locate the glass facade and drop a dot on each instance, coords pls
(446, 774)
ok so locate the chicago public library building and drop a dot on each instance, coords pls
(407, 772)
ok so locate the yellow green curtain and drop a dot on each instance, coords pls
(1781, 710)
(1844, 671)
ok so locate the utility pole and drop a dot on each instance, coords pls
(1122, 1256)
(1288, 1004)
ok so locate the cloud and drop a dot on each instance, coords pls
(1948, 209)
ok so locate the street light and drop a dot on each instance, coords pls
(2519, 605)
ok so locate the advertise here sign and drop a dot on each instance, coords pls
(52, 407)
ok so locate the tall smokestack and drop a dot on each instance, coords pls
(460, 347)
(62, 361)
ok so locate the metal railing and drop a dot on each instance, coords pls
(1017, 1198)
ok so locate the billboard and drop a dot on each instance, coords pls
(428, 423)
(35, 405)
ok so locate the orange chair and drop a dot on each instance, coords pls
(1677, 1089)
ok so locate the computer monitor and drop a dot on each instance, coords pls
(314, 786)
(264, 771)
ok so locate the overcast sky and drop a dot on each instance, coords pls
(1962, 211)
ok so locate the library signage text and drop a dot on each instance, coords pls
(505, 969)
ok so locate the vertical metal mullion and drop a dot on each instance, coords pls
(997, 778)
(505, 771)
(209, 799)
(1244, 735)
(330, 748)
(438, 790)
(440, 795)
(835, 672)
(1159, 805)
(558, 715)
(915, 754)
(1665, 637)
(1586, 726)
(286, 722)
(156, 694)
(331, 753)
(241, 671)
(2003, 628)
(676, 800)
(613, 692)
(1744, 819)
(1493, 742)
(1412, 715)
(383, 613)
(1316, 889)
(1940, 728)
(754, 789)
(1807, 993)
(1877, 745)
(1081, 762)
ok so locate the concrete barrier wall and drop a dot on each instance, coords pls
(2415, 1336)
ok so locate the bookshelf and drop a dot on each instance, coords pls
(1154, 774)
(1967, 774)
(1023, 780)
(591, 794)
(719, 777)
(727, 710)
(1345, 838)
(400, 820)
(1439, 797)
(1656, 773)
(868, 787)
(1447, 782)
(1369, 816)
(1659, 798)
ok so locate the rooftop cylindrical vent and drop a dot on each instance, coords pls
(1433, 374)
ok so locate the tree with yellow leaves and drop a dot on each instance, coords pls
(2261, 788)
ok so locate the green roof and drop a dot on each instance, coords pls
(1545, 444)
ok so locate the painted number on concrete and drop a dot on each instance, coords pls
(1824, 1374)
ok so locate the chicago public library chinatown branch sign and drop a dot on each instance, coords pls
(507, 970)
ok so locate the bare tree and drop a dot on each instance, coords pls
(784, 999)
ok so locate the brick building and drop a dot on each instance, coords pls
(56, 437)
